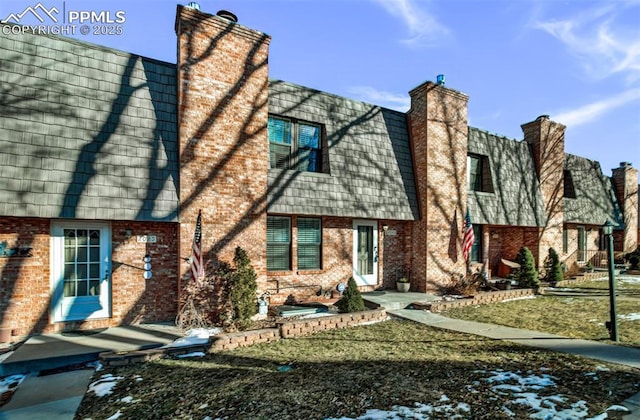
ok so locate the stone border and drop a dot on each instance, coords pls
(229, 341)
(478, 299)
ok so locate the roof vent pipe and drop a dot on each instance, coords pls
(194, 5)
(225, 14)
(440, 79)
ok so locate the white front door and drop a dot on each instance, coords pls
(365, 252)
(80, 271)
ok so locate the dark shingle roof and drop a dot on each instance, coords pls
(371, 174)
(595, 200)
(85, 131)
(516, 199)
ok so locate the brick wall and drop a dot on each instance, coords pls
(26, 288)
(24, 281)
(438, 128)
(625, 179)
(222, 119)
(337, 260)
(136, 300)
(479, 299)
(507, 243)
(546, 138)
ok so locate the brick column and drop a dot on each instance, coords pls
(625, 179)
(439, 136)
(222, 120)
(546, 138)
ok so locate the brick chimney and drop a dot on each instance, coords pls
(439, 136)
(546, 138)
(625, 179)
(222, 131)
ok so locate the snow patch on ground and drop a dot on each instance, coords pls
(519, 298)
(115, 416)
(630, 317)
(522, 390)
(418, 411)
(194, 337)
(192, 354)
(104, 385)
(10, 382)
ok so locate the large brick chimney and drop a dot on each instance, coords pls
(439, 137)
(222, 123)
(546, 138)
(625, 179)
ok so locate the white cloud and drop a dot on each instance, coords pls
(400, 102)
(423, 27)
(592, 111)
(603, 38)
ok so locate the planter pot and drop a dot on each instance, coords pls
(403, 287)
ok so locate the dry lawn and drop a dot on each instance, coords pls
(345, 372)
(578, 313)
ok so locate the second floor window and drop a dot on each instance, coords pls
(479, 174)
(294, 145)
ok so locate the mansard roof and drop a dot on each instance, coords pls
(86, 131)
(593, 200)
(370, 170)
(516, 198)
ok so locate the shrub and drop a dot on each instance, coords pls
(634, 259)
(527, 275)
(351, 300)
(243, 290)
(552, 267)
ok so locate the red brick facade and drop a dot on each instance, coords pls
(25, 302)
(222, 80)
(625, 179)
(546, 138)
(222, 119)
(438, 129)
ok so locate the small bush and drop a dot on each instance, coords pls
(527, 275)
(243, 290)
(634, 259)
(351, 300)
(553, 267)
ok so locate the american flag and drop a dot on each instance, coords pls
(197, 263)
(468, 238)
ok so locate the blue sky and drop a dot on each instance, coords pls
(577, 61)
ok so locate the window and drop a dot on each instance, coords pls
(278, 243)
(479, 174)
(582, 244)
(294, 145)
(309, 243)
(475, 254)
(565, 241)
(569, 188)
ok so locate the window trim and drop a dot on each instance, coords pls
(306, 244)
(295, 150)
(483, 181)
(279, 243)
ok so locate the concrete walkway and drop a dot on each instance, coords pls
(57, 396)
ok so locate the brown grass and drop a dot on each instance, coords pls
(345, 372)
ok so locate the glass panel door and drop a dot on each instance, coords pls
(80, 271)
(365, 252)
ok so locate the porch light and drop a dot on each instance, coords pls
(612, 324)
